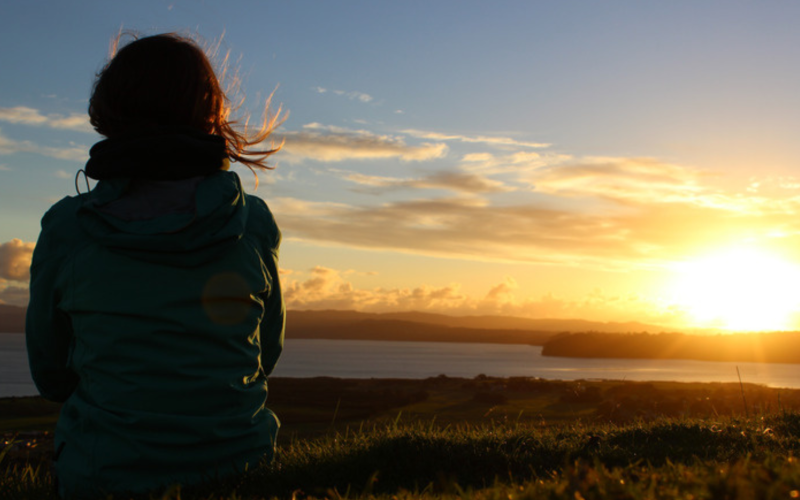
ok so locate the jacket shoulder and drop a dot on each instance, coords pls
(261, 222)
(65, 208)
(61, 234)
(60, 223)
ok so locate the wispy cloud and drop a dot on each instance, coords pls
(639, 179)
(630, 181)
(72, 152)
(773, 184)
(482, 139)
(352, 95)
(29, 116)
(473, 228)
(332, 144)
(517, 162)
(15, 260)
(465, 182)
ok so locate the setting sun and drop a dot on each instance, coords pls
(743, 289)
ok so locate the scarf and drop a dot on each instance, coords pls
(169, 155)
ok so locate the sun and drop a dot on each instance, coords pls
(741, 289)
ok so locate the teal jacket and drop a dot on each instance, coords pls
(156, 316)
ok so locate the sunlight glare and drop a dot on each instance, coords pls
(742, 289)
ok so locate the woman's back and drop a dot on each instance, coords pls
(156, 315)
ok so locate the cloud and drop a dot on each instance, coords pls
(333, 144)
(482, 139)
(29, 116)
(630, 182)
(71, 153)
(503, 292)
(326, 288)
(606, 237)
(638, 179)
(518, 162)
(454, 181)
(546, 207)
(15, 260)
(773, 184)
(352, 95)
(454, 227)
(13, 294)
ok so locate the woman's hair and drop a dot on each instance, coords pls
(167, 82)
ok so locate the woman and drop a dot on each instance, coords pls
(156, 313)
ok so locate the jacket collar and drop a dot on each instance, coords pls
(160, 155)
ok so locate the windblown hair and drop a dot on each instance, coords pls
(166, 82)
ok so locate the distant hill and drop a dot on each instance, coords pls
(417, 326)
(410, 326)
(386, 329)
(304, 319)
(12, 319)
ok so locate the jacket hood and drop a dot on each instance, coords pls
(183, 222)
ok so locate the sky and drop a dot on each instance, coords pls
(612, 161)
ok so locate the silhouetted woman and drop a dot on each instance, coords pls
(156, 313)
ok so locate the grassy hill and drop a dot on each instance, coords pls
(488, 438)
(704, 459)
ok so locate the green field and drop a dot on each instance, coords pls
(490, 438)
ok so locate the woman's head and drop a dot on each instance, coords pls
(158, 81)
(166, 82)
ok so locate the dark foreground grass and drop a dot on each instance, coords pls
(723, 458)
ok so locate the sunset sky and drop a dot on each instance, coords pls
(614, 160)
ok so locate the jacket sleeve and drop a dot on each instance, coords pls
(274, 321)
(47, 329)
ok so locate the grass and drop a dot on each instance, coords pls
(407, 453)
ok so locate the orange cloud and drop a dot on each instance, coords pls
(325, 288)
(15, 260)
(470, 227)
(516, 163)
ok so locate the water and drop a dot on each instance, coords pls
(368, 359)
(15, 379)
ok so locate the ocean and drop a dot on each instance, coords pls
(389, 359)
